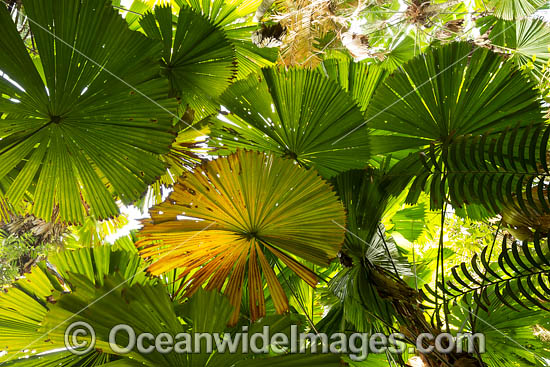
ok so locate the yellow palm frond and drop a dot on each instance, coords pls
(231, 216)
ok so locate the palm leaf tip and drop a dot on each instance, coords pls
(234, 217)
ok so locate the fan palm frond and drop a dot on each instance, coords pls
(85, 127)
(299, 114)
(229, 212)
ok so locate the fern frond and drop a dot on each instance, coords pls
(509, 171)
(518, 276)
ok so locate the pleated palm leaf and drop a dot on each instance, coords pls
(456, 89)
(399, 51)
(84, 124)
(299, 114)
(237, 215)
(528, 42)
(105, 288)
(24, 306)
(508, 335)
(197, 59)
(360, 79)
(235, 18)
(514, 9)
(432, 101)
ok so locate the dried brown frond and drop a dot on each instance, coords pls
(306, 21)
(420, 12)
(450, 30)
(416, 12)
(43, 231)
(541, 333)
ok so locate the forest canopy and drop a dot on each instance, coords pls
(352, 168)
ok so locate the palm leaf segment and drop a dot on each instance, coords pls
(528, 40)
(104, 288)
(248, 204)
(197, 57)
(297, 113)
(235, 18)
(515, 9)
(456, 91)
(78, 130)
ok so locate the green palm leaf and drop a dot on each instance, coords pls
(81, 128)
(509, 336)
(234, 209)
(452, 90)
(528, 40)
(410, 222)
(297, 113)
(235, 18)
(299, 360)
(400, 51)
(359, 79)
(24, 305)
(515, 9)
(503, 173)
(222, 12)
(117, 303)
(517, 277)
(124, 363)
(365, 200)
(62, 359)
(437, 98)
(198, 63)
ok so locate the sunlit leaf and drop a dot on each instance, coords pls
(231, 215)
(514, 9)
(235, 18)
(453, 90)
(299, 114)
(88, 126)
(199, 63)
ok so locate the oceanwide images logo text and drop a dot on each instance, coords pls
(80, 338)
